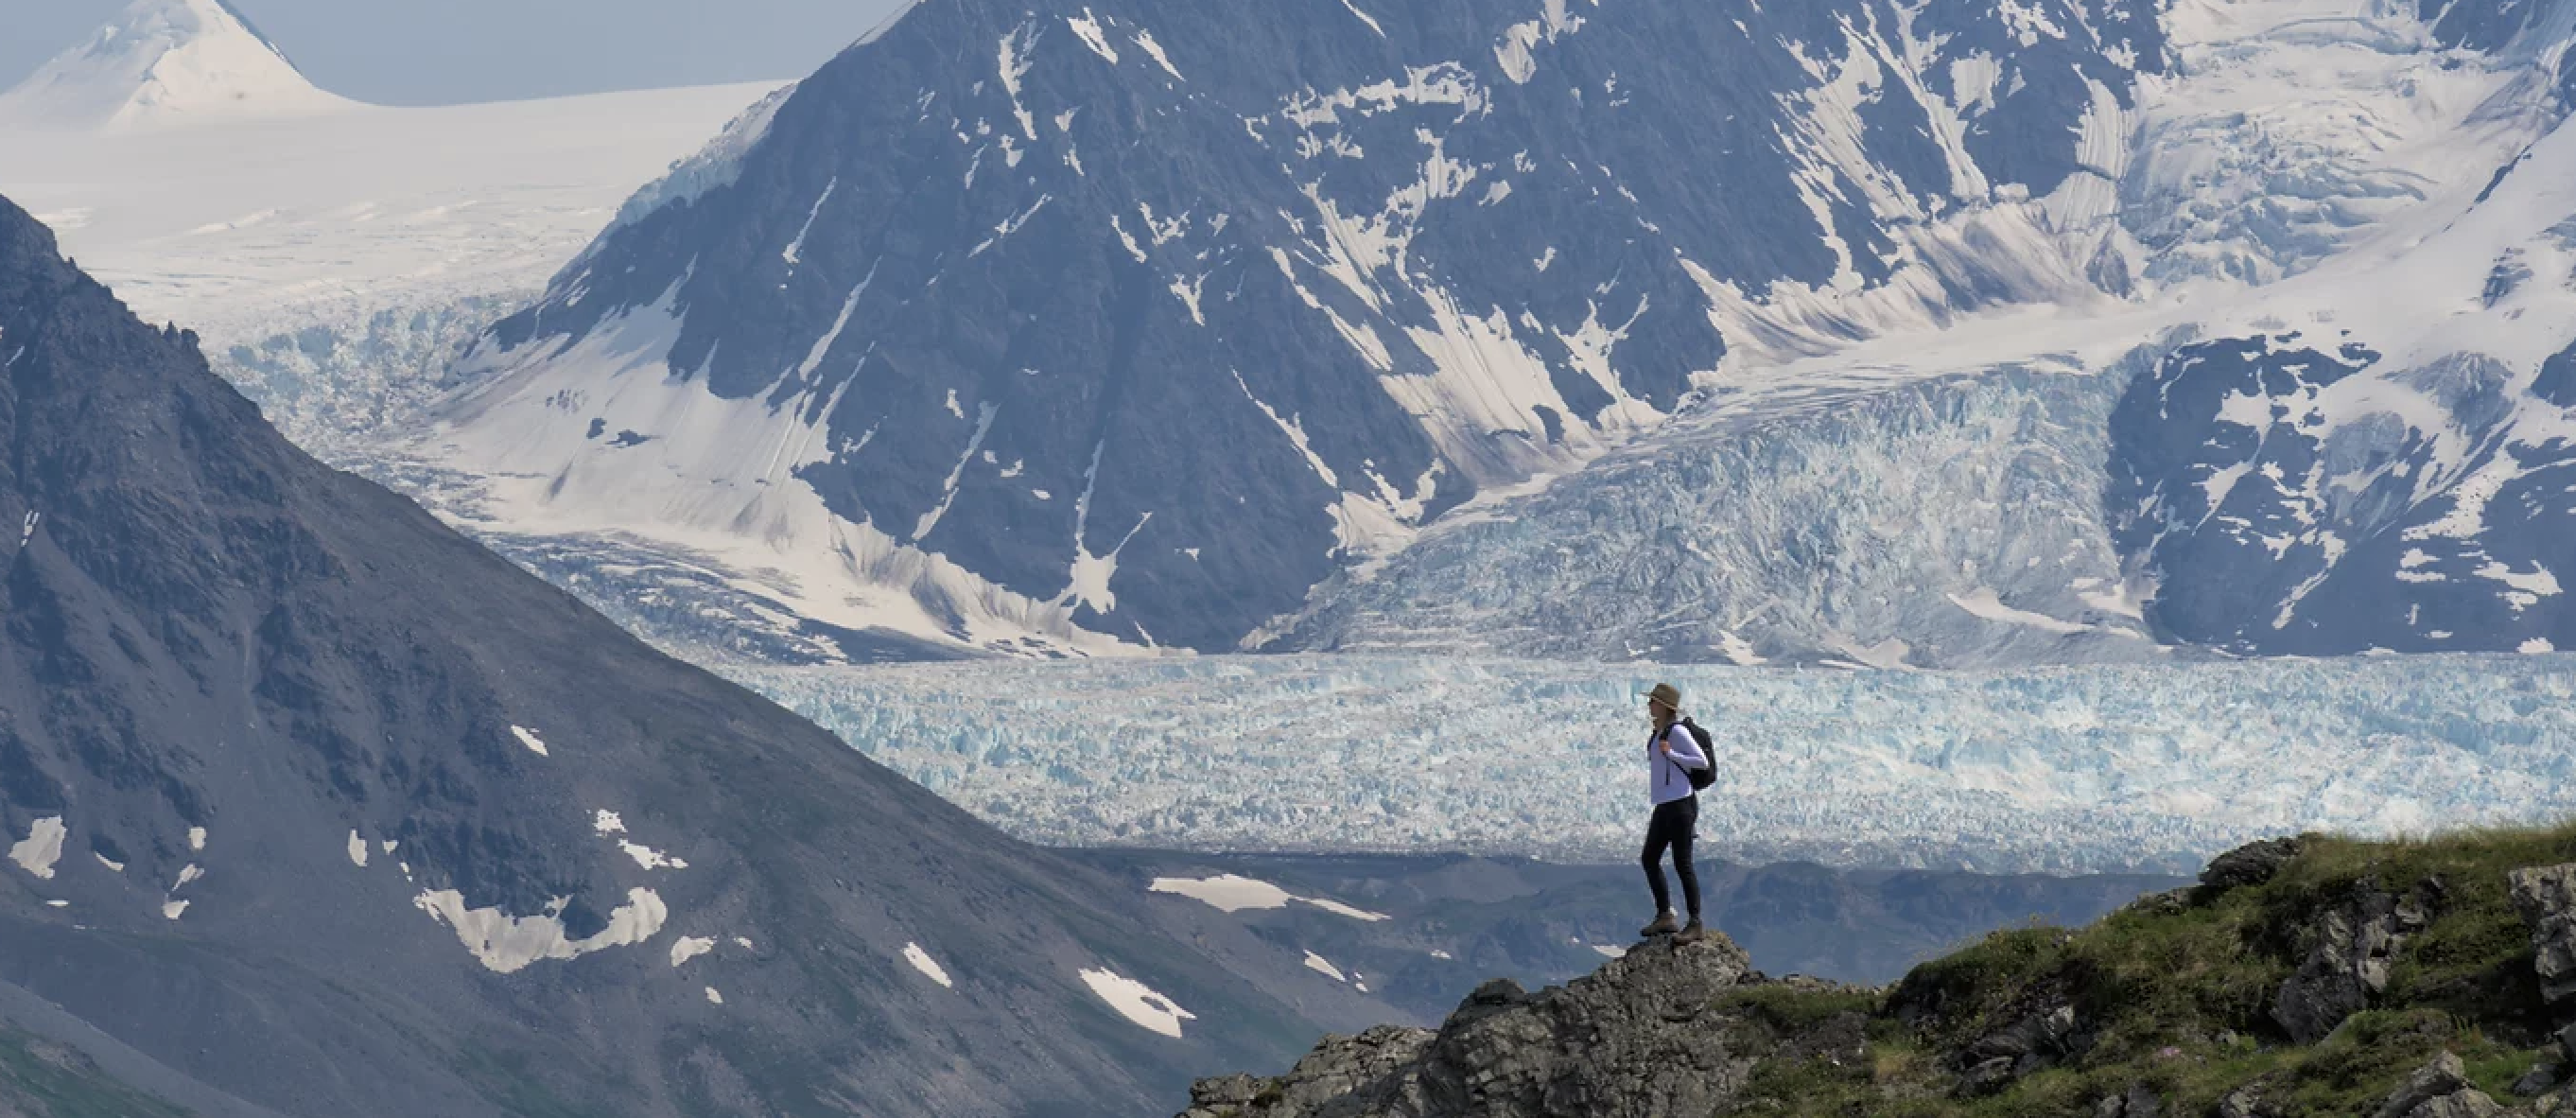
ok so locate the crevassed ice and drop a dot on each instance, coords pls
(2060, 770)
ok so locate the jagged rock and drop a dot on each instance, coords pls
(2040, 1039)
(2138, 1102)
(2245, 1102)
(2350, 948)
(2567, 1044)
(1635, 1039)
(2251, 864)
(2535, 1082)
(2556, 1104)
(2168, 903)
(2439, 1089)
(2546, 897)
(1224, 1090)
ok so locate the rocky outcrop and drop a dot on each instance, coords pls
(2251, 864)
(2139, 1101)
(2546, 897)
(2439, 1090)
(2044, 1037)
(1643, 1036)
(2349, 949)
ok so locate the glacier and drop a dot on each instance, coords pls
(2065, 770)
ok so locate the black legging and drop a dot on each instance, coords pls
(1672, 827)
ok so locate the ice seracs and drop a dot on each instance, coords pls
(2086, 769)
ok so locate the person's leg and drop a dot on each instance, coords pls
(1653, 860)
(1686, 822)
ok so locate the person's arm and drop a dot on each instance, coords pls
(1683, 748)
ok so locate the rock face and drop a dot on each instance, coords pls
(2286, 517)
(1636, 1039)
(2350, 948)
(2546, 898)
(310, 802)
(2251, 864)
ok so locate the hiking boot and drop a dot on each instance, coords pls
(1690, 933)
(1664, 925)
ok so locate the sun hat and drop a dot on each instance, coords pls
(1666, 694)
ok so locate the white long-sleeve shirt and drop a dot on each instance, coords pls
(1669, 783)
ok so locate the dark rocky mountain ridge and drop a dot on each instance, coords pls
(321, 809)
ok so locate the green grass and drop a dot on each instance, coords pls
(2178, 997)
(41, 1079)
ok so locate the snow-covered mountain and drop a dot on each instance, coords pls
(1819, 333)
(1150, 317)
(1845, 332)
(162, 63)
(332, 254)
(2323, 420)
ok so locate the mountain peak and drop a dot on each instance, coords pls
(162, 63)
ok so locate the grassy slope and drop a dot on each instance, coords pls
(2179, 991)
(41, 1079)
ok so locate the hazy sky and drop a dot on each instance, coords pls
(429, 52)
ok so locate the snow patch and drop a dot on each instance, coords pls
(929, 967)
(357, 850)
(1137, 1002)
(528, 737)
(507, 944)
(1322, 966)
(1225, 892)
(42, 847)
(686, 948)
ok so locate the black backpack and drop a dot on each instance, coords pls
(1699, 778)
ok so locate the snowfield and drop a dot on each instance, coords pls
(2062, 770)
(332, 254)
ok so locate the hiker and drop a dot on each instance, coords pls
(1681, 768)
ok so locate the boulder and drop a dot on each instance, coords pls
(2245, 1102)
(2546, 897)
(2350, 949)
(2535, 1082)
(2251, 864)
(2439, 1089)
(2137, 1102)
